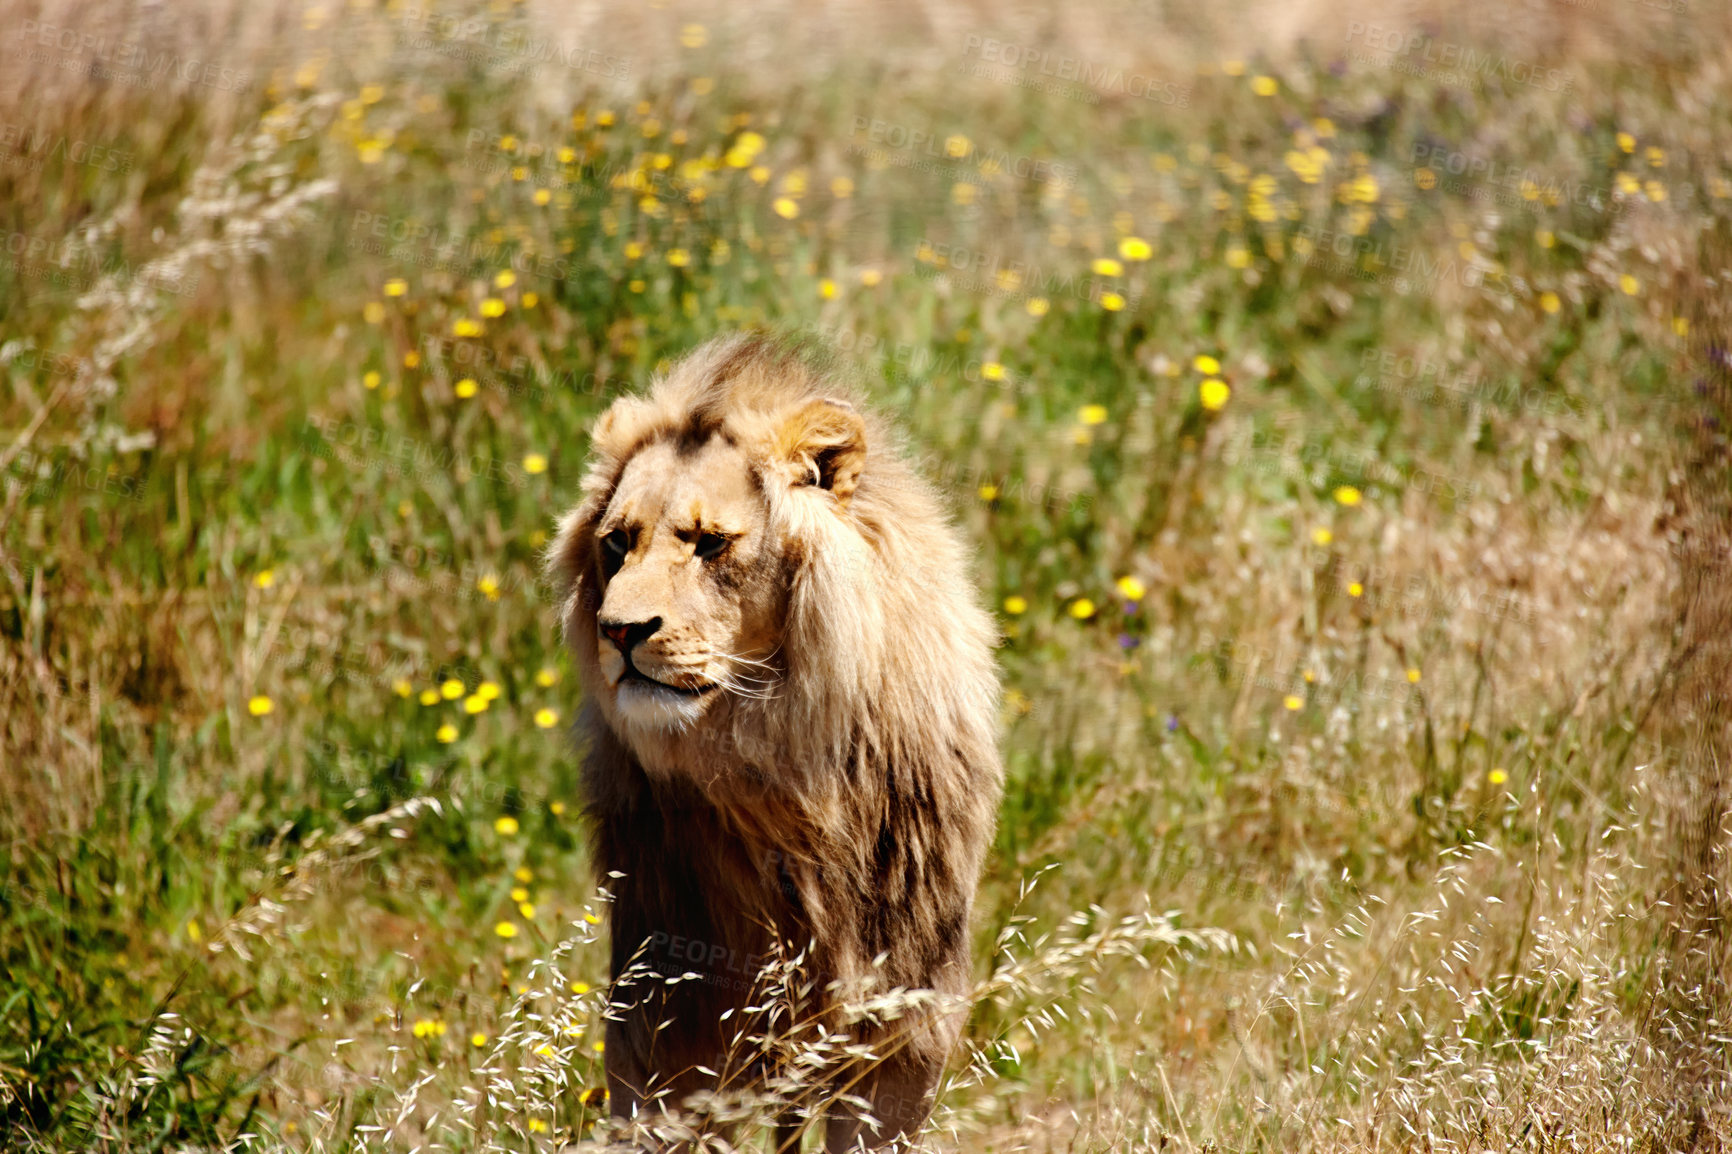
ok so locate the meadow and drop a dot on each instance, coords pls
(1339, 421)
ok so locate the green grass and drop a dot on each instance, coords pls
(1335, 729)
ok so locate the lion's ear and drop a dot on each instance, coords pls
(825, 443)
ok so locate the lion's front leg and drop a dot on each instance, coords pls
(647, 1102)
(900, 1090)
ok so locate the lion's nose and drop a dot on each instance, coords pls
(626, 634)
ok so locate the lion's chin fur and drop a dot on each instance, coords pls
(651, 709)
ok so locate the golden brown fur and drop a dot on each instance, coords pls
(817, 765)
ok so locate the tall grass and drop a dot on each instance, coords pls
(1365, 725)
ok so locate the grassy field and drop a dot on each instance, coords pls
(1339, 426)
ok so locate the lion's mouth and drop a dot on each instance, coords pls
(635, 676)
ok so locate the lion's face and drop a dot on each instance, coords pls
(692, 594)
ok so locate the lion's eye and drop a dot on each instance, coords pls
(709, 544)
(616, 543)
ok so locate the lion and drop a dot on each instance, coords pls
(790, 715)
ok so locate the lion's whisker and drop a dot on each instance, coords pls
(739, 682)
